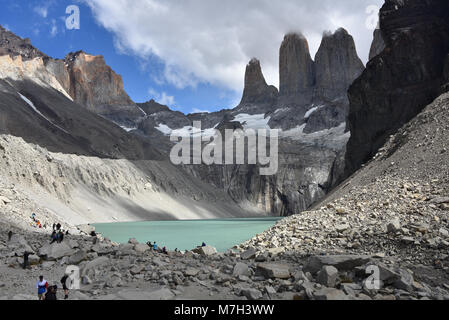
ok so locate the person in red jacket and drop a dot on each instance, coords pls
(42, 287)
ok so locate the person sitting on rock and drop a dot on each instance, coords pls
(54, 237)
(60, 236)
(42, 286)
(155, 246)
(204, 244)
(164, 250)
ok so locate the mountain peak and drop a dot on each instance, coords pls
(337, 64)
(296, 68)
(13, 45)
(256, 88)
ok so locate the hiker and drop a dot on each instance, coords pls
(54, 237)
(58, 226)
(42, 286)
(25, 259)
(154, 246)
(60, 237)
(10, 234)
(164, 250)
(64, 286)
(204, 244)
(51, 294)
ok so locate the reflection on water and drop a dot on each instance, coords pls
(222, 234)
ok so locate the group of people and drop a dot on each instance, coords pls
(58, 234)
(49, 293)
(36, 222)
(155, 247)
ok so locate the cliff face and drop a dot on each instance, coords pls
(296, 70)
(378, 44)
(399, 82)
(336, 64)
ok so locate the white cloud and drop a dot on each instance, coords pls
(42, 11)
(211, 41)
(54, 28)
(162, 98)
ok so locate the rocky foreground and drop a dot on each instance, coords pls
(133, 271)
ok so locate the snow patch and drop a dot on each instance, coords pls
(257, 121)
(33, 107)
(311, 111)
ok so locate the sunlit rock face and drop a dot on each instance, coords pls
(94, 85)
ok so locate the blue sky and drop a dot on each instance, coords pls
(189, 54)
(26, 20)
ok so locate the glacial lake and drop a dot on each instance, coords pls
(222, 234)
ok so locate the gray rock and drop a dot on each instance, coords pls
(241, 269)
(55, 251)
(191, 272)
(328, 276)
(342, 263)
(272, 270)
(34, 259)
(161, 294)
(248, 254)
(405, 282)
(205, 251)
(394, 225)
(141, 248)
(330, 294)
(252, 294)
(78, 257)
(94, 264)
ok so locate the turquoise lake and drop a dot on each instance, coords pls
(222, 234)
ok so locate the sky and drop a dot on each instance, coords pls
(190, 54)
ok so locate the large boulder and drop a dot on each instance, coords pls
(78, 257)
(342, 263)
(241, 269)
(141, 248)
(19, 245)
(55, 251)
(273, 270)
(97, 263)
(328, 276)
(330, 294)
(205, 251)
